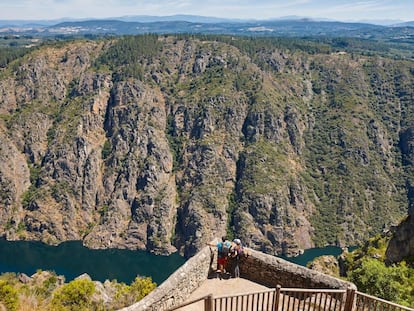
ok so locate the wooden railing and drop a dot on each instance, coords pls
(364, 302)
(208, 302)
(296, 299)
(263, 300)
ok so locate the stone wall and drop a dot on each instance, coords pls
(271, 271)
(178, 287)
(258, 267)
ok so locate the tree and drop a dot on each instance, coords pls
(393, 283)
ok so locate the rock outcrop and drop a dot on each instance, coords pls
(401, 245)
(162, 143)
(325, 264)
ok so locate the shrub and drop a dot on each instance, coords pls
(8, 296)
(129, 294)
(74, 296)
(142, 287)
(106, 149)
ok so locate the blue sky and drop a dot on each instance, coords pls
(349, 10)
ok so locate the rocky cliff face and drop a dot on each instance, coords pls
(165, 143)
(401, 245)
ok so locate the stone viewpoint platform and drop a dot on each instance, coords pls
(257, 271)
(217, 287)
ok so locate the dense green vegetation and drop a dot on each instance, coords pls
(313, 45)
(367, 269)
(127, 55)
(8, 54)
(45, 291)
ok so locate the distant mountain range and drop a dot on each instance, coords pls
(406, 24)
(132, 18)
(286, 26)
(187, 18)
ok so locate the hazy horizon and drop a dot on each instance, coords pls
(340, 10)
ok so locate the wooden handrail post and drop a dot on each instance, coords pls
(208, 303)
(349, 302)
(277, 298)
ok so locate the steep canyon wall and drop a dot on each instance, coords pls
(162, 143)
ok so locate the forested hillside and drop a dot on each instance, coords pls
(165, 142)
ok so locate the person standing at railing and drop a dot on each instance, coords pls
(236, 252)
(223, 250)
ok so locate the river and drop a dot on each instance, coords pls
(72, 259)
(310, 254)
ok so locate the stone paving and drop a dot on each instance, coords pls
(221, 287)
